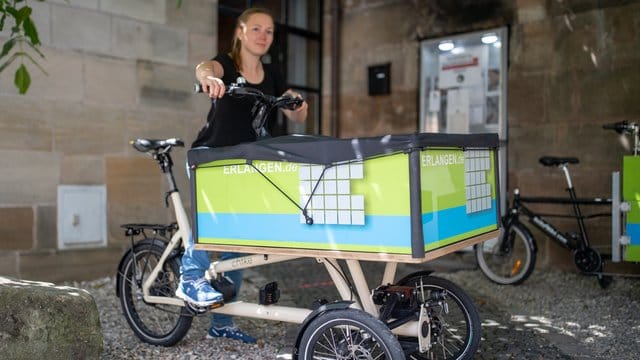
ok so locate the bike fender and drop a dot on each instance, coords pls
(528, 234)
(336, 305)
(126, 254)
(414, 274)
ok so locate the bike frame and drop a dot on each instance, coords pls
(518, 207)
(255, 310)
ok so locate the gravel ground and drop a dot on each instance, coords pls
(553, 315)
(567, 311)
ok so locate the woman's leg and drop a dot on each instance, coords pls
(193, 286)
(194, 262)
(222, 325)
(222, 320)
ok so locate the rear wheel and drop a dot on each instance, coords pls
(156, 324)
(509, 259)
(454, 321)
(348, 334)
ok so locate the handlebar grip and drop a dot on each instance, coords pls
(292, 103)
(619, 127)
(198, 88)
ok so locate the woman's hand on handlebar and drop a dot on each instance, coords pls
(213, 86)
(208, 74)
(299, 113)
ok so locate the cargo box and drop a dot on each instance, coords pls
(404, 198)
(631, 195)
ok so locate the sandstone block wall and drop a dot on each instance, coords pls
(573, 66)
(122, 69)
(117, 70)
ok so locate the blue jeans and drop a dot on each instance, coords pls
(196, 262)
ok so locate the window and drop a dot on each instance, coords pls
(463, 87)
(463, 83)
(296, 50)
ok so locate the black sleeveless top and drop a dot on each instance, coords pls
(229, 121)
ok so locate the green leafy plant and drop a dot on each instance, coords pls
(23, 41)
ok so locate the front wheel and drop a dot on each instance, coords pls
(156, 324)
(455, 323)
(348, 334)
(509, 259)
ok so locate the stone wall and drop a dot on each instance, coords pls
(117, 70)
(573, 66)
(123, 69)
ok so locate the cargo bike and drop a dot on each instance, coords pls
(393, 199)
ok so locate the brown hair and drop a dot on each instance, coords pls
(237, 44)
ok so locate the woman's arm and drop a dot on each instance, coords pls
(300, 113)
(209, 73)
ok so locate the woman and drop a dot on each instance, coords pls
(229, 123)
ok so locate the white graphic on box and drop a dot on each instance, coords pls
(478, 190)
(332, 201)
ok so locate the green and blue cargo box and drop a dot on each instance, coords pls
(631, 195)
(405, 198)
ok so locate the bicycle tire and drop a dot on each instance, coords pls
(455, 334)
(511, 264)
(348, 334)
(155, 324)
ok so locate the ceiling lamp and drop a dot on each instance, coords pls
(445, 46)
(489, 38)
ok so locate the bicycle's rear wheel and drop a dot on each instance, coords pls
(510, 259)
(155, 324)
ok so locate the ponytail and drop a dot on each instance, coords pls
(237, 44)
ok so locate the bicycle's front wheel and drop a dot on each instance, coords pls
(348, 334)
(509, 259)
(455, 328)
(156, 324)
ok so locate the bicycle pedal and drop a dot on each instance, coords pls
(269, 294)
(196, 309)
(216, 305)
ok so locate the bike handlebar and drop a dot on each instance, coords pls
(238, 89)
(622, 127)
(264, 103)
(627, 128)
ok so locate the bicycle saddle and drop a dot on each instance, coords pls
(145, 145)
(555, 161)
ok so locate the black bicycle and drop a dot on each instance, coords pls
(511, 258)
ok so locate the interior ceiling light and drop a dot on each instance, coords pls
(489, 38)
(445, 46)
(458, 50)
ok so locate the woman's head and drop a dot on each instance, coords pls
(254, 32)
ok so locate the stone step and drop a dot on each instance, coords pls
(40, 320)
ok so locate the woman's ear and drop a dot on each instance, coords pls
(239, 33)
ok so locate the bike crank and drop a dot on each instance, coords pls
(587, 260)
(199, 310)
